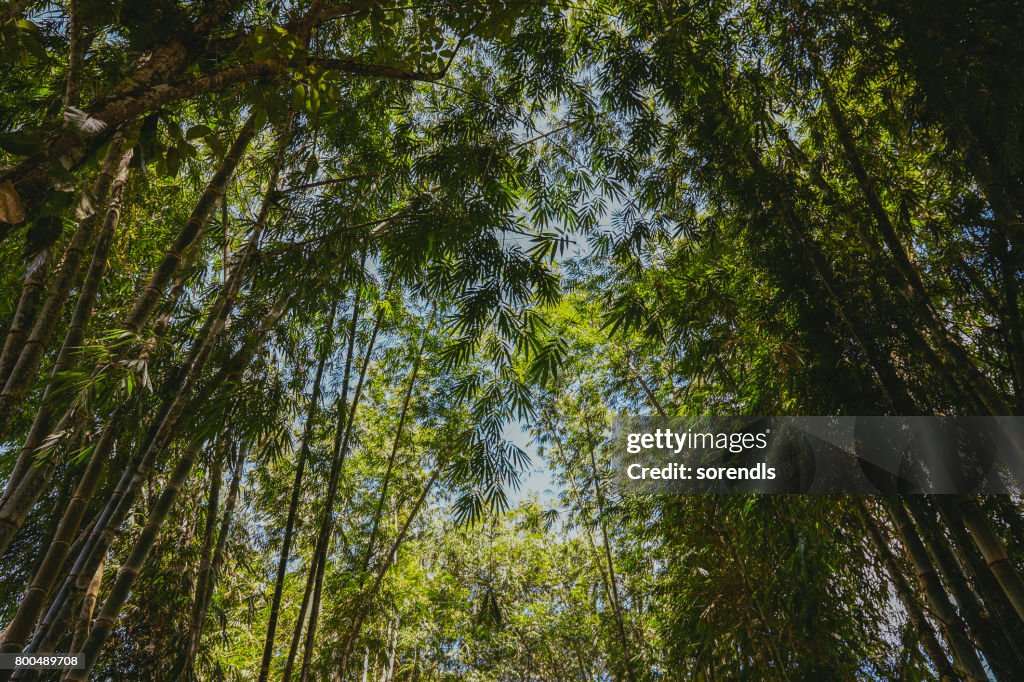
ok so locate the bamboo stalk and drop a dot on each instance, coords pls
(131, 569)
(115, 171)
(403, 414)
(24, 316)
(293, 502)
(998, 651)
(184, 663)
(951, 354)
(212, 330)
(11, 520)
(963, 651)
(371, 594)
(314, 567)
(327, 520)
(88, 607)
(993, 551)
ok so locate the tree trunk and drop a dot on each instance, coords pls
(992, 550)
(163, 273)
(293, 503)
(115, 511)
(88, 606)
(996, 649)
(984, 581)
(216, 321)
(115, 170)
(327, 521)
(963, 651)
(183, 666)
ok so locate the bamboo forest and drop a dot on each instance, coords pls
(317, 316)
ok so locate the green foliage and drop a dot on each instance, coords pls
(476, 216)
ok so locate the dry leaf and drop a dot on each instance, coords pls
(10, 204)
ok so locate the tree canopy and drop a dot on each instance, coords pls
(281, 281)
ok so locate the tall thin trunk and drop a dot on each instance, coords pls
(327, 521)
(392, 650)
(368, 597)
(606, 543)
(183, 666)
(314, 564)
(293, 502)
(963, 651)
(403, 414)
(303, 617)
(207, 578)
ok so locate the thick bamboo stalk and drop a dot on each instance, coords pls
(11, 520)
(122, 498)
(953, 356)
(301, 620)
(126, 576)
(28, 327)
(115, 169)
(998, 650)
(984, 581)
(35, 596)
(965, 656)
(14, 511)
(906, 595)
(85, 614)
(162, 274)
(992, 550)
(227, 519)
(24, 315)
(219, 314)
